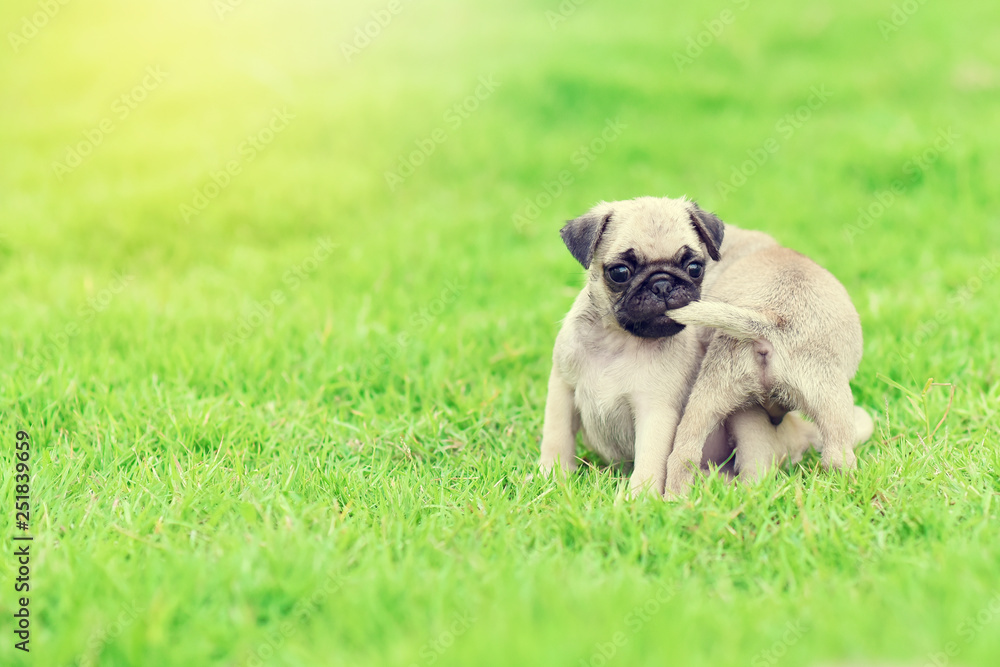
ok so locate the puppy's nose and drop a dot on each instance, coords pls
(661, 284)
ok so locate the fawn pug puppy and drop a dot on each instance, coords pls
(783, 335)
(622, 365)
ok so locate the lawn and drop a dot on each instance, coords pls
(281, 283)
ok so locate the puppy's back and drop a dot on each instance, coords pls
(805, 302)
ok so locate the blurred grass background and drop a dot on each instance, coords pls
(205, 458)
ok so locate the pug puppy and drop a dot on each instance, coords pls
(622, 365)
(783, 335)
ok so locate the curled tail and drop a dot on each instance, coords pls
(740, 323)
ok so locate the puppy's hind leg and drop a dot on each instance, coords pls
(710, 403)
(831, 405)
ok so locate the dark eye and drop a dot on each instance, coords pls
(619, 273)
(695, 269)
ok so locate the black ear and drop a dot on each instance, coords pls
(709, 228)
(581, 235)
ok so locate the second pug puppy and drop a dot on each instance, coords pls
(784, 336)
(622, 367)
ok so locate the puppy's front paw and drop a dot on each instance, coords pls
(839, 460)
(548, 464)
(545, 467)
(639, 486)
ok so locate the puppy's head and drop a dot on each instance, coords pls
(645, 256)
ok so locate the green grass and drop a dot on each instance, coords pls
(349, 479)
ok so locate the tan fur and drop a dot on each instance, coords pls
(627, 392)
(785, 337)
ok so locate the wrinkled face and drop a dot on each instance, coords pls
(643, 288)
(646, 256)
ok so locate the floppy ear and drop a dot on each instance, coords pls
(581, 235)
(709, 228)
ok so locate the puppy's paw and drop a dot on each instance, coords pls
(676, 491)
(680, 475)
(545, 467)
(863, 425)
(639, 486)
(839, 460)
(548, 465)
(635, 493)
